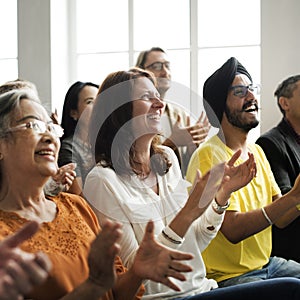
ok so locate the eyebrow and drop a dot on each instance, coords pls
(158, 61)
(89, 98)
(32, 117)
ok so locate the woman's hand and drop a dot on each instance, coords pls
(102, 255)
(157, 262)
(21, 271)
(204, 190)
(65, 175)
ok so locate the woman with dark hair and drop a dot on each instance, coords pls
(74, 144)
(136, 179)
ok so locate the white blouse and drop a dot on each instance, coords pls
(130, 201)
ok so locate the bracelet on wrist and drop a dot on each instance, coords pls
(266, 216)
(219, 208)
(167, 237)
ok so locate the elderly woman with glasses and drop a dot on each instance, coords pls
(29, 145)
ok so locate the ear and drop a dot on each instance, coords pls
(74, 114)
(3, 149)
(284, 103)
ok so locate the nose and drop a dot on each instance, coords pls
(251, 94)
(158, 103)
(164, 71)
(49, 138)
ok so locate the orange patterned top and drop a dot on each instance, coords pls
(66, 240)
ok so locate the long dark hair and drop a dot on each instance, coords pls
(111, 139)
(71, 103)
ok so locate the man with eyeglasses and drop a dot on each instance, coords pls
(281, 145)
(241, 251)
(179, 134)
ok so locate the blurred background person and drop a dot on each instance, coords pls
(281, 145)
(75, 146)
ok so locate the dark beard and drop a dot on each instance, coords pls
(235, 120)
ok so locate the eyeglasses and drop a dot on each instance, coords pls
(40, 127)
(242, 90)
(158, 66)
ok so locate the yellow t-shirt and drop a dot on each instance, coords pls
(223, 259)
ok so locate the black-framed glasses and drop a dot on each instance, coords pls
(40, 127)
(242, 90)
(158, 66)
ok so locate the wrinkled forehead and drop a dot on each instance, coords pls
(156, 56)
(32, 108)
(141, 85)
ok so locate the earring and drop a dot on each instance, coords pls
(1, 156)
(75, 118)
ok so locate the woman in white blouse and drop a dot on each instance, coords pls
(136, 179)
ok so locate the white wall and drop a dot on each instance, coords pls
(42, 36)
(43, 48)
(280, 48)
(34, 49)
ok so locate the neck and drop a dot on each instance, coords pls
(235, 138)
(141, 156)
(27, 199)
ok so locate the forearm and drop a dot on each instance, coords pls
(127, 285)
(182, 221)
(283, 211)
(239, 226)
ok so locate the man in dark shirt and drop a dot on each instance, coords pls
(281, 145)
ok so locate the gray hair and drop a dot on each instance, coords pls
(286, 89)
(9, 102)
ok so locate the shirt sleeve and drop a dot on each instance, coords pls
(105, 195)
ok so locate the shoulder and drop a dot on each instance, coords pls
(99, 177)
(101, 172)
(272, 134)
(69, 200)
(70, 204)
(212, 148)
(274, 138)
(258, 151)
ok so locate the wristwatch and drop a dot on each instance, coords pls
(219, 208)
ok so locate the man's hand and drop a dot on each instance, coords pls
(102, 255)
(190, 135)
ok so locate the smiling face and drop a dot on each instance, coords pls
(147, 108)
(161, 71)
(27, 151)
(242, 112)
